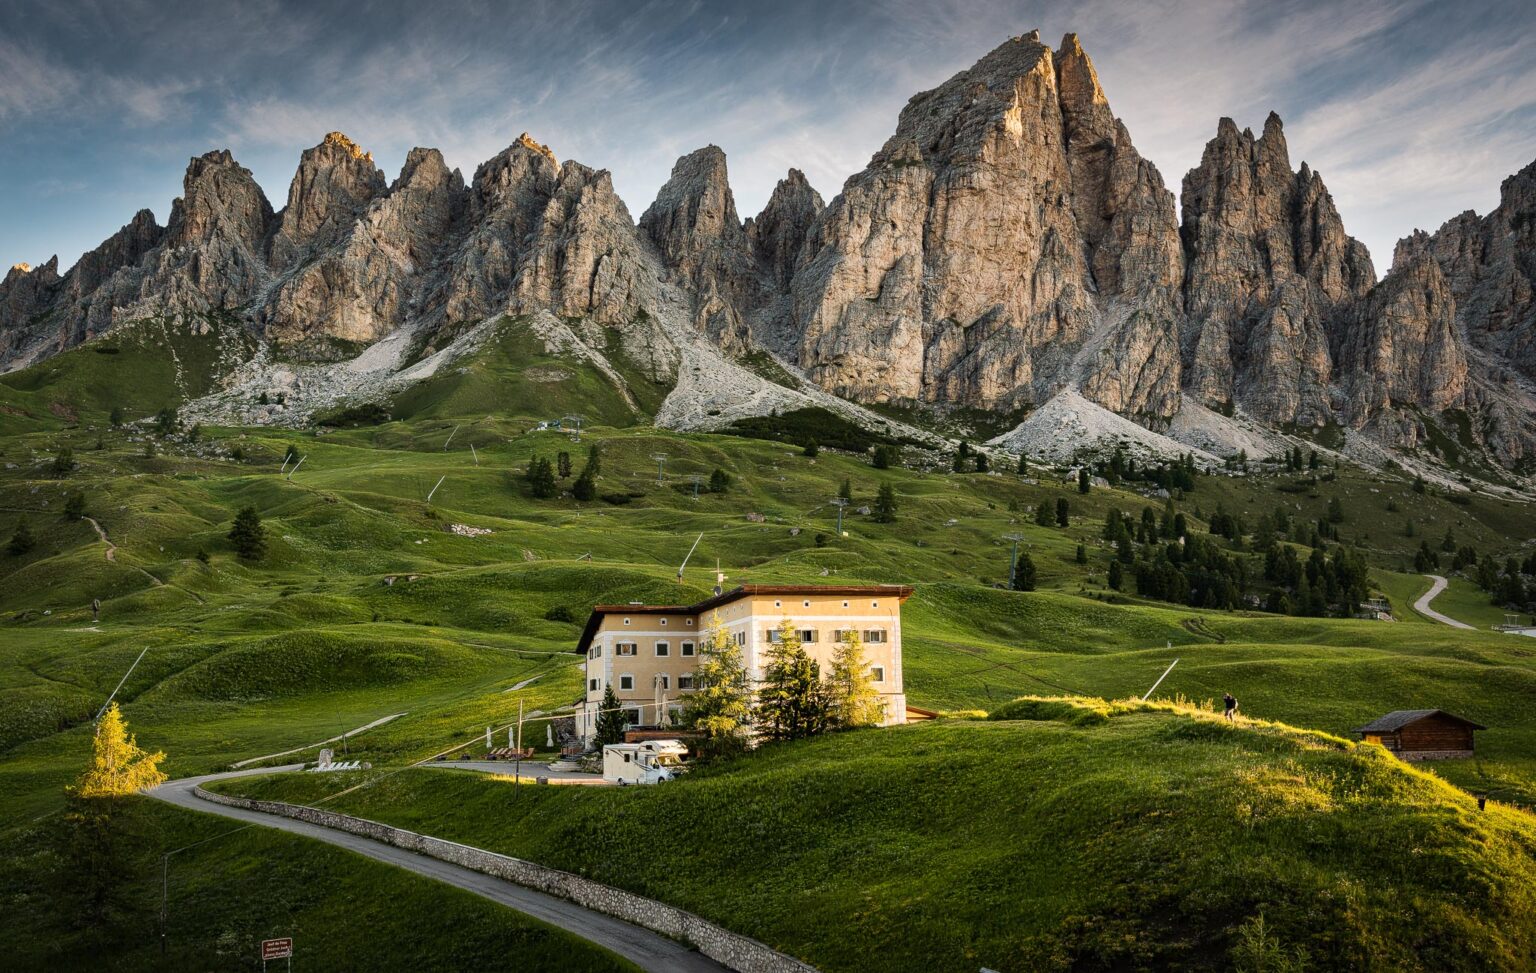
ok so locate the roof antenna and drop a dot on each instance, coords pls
(690, 554)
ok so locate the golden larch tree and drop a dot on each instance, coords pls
(118, 766)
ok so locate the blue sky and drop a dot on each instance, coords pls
(1412, 110)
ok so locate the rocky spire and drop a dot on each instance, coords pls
(778, 233)
(1268, 267)
(219, 198)
(694, 225)
(334, 183)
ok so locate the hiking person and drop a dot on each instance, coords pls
(1231, 703)
(95, 609)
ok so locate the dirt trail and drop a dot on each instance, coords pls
(112, 556)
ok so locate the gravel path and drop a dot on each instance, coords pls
(646, 949)
(1422, 605)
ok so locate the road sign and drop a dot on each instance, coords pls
(276, 949)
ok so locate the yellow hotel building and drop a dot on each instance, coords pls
(647, 653)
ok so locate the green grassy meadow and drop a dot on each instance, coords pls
(366, 606)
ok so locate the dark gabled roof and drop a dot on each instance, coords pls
(901, 591)
(1397, 719)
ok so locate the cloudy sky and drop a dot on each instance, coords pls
(1413, 110)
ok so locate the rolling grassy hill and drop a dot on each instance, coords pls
(366, 607)
(1065, 835)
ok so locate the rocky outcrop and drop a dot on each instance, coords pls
(958, 267)
(363, 286)
(777, 235)
(334, 184)
(1268, 269)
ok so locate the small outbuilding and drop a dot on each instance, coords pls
(1422, 734)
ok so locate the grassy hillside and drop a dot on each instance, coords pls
(1064, 836)
(365, 606)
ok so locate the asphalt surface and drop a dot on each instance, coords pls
(649, 950)
(1422, 605)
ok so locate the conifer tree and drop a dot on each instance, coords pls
(846, 490)
(585, 487)
(22, 541)
(1043, 514)
(118, 767)
(1024, 573)
(74, 506)
(885, 505)
(1084, 480)
(64, 462)
(1063, 512)
(1116, 575)
(247, 534)
(719, 481)
(541, 479)
(720, 705)
(983, 464)
(852, 698)
(1023, 467)
(563, 464)
(594, 461)
(611, 721)
(791, 703)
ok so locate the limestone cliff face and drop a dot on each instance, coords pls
(334, 184)
(777, 235)
(958, 267)
(363, 285)
(1268, 269)
(693, 224)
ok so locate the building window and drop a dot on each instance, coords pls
(687, 648)
(806, 603)
(874, 604)
(741, 639)
(874, 636)
(632, 717)
(626, 621)
(688, 622)
(663, 621)
(685, 681)
(626, 681)
(778, 604)
(591, 685)
(877, 673)
(663, 649)
(625, 648)
(773, 636)
(595, 652)
(807, 634)
(845, 604)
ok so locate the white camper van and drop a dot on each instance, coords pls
(650, 762)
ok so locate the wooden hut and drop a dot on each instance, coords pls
(1422, 734)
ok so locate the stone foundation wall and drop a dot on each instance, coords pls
(734, 951)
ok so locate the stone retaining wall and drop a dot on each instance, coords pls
(734, 951)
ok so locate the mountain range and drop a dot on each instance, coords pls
(1007, 246)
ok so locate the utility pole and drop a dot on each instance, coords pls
(1013, 559)
(839, 503)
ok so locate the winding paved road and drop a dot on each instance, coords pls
(1422, 605)
(649, 950)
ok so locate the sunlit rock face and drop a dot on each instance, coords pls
(1005, 244)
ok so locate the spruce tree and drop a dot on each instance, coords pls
(852, 698)
(846, 490)
(983, 464)
(63, 462)
(1043, 513)
(885, 505)
(594, 461)
(791, 703)
(563, 464)
(1082, 554)
(719, 481)
(1116, 575)
(1084, 480)
(1023, 467)
(541, 479)
(959, 462)
(1336, 512)
(720, 705)
(247, 534)
(1063, 512)
(74, 506)
(22, 541)
(611, 721)
(811, 450)
(585, 487)
(1024, 573)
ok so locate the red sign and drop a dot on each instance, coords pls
(276, 949)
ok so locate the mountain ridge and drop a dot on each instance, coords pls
(1006, 244)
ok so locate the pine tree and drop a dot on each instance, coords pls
(1449, 544)
(1116, 575)
(719, 481)
(1024, 573)
(811, 450)
(1063, 511)
(611, 721)
(790, 702)
(983, 464)
(585, 487)
(1082, 554)
(594, 461)
(247, 534)
(1023, 468)
(563, 464)
(1084, 481)
(541, 479)
(852, 698)
(74, 506)
(1043, 514)
(885, 455)
(22, 541)
(63, 462)
(720, 705)
(1335, 511)
(115, 417)
(959, 462)
(118, 767)
(885, 505)
(846, 490)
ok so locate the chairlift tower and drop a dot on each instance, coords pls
(839, 503)
(1013, 559)
(697, 479)
(661, 466)
(575, 420)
